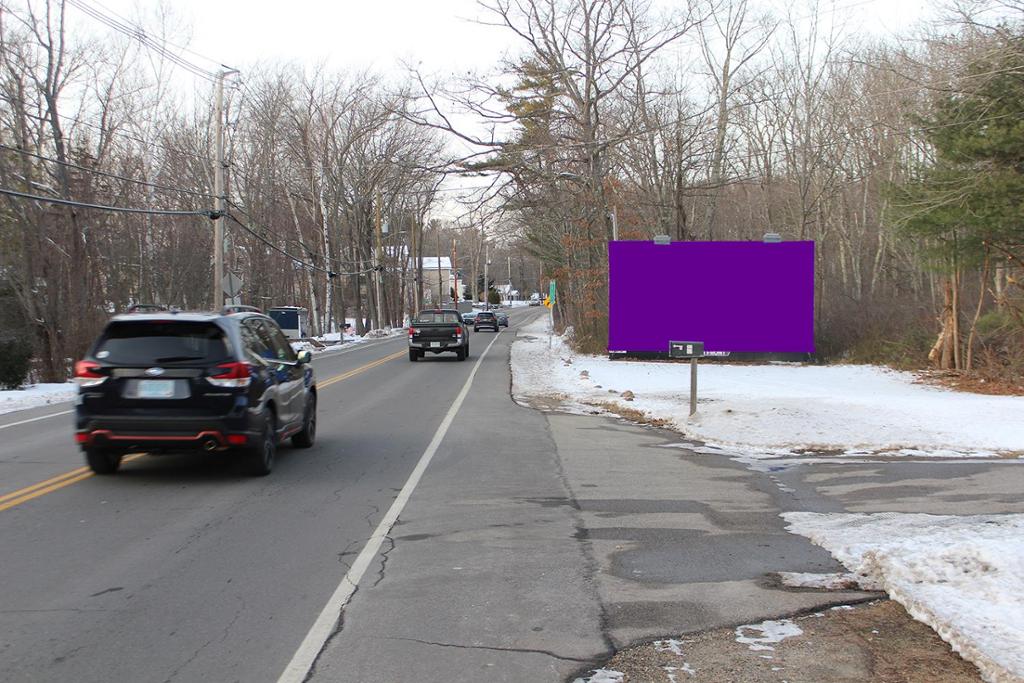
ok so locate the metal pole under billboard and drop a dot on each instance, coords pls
(693, 386)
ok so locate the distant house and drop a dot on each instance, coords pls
(507, 292)
(438, 280)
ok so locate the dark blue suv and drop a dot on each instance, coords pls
(168, 381)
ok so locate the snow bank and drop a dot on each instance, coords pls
(963, 576)
(831, 582)
(36, 395)
(335, 337)
(777, 409)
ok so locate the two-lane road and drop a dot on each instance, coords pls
(184, 568)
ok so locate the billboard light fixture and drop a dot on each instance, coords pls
(662, 239)
(772, 238)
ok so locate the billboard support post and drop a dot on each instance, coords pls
(693, 351)
(693, 386)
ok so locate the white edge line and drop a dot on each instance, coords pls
(36, 419)
(302, 661)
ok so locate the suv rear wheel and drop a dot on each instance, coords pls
(261, 455)
(307, 436)
(102, 461)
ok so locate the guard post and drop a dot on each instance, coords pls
(693, 351)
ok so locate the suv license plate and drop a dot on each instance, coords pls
(435, 344)
(156, 388)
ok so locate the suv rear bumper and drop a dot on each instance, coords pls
(162, 433)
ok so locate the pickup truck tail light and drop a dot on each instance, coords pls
(230, 375)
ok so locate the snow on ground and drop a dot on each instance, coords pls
(779, 408)
(963, 576)
(831, 582)
(335, 337)
(759, 637)
(670, 645)
(602, 676)
(36, 395)
(332, 340)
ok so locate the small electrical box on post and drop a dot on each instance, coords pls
(685, 349)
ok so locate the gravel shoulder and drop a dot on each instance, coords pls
(876, 641)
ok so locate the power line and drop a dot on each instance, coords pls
(139, 34)
(106, 174)
(165, 42)
(112, 132)
(311, 266)
(102, 207)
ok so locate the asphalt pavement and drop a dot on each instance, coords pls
(437, 531)
(183, 568)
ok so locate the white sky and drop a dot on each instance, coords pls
(441, 37)
(441, 34)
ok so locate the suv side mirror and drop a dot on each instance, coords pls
(305, 356)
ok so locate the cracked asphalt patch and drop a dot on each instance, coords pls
(877, 642)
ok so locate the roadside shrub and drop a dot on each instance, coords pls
(493, 297)
(15, 362)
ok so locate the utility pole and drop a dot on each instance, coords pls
(378, 270)
(417, 271)
(455, 273)
(487, 262)
(219, 190)
(218, 193)
(439, 286)
(510, 279)
(615, 225)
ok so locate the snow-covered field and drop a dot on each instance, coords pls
(778, 409)
(963, 576)
(36, 395)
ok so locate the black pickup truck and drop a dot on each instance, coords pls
(437, 330)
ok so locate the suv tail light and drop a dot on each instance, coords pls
(412, 331)
(231, 375)
(86, 374)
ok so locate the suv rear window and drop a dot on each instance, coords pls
(427, 317)
(484, 314)
(160, 343)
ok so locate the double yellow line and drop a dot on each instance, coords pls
(361, 369)
(23, 495)
(26, 494)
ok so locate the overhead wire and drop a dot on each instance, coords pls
(106, 174)
(136, 32)
(103, 207)
(311, 266)
(166, 42)
(253, 221)
(74, 120)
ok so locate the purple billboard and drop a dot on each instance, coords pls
(736, 297)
